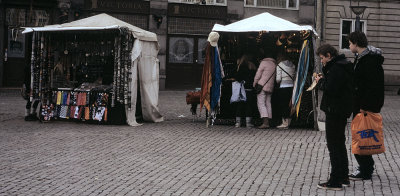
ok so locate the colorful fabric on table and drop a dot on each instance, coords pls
(105, 115)
(58, 98)
(72, 113)
(54, 97)
(87, 98)
(68, 98)
(81, 110)
(98, 114)
(63, 112)
(93, 113)
(76, 112)
(73, 98)
(57, 111)
(87, 113)
(65, 97)
(68, 112)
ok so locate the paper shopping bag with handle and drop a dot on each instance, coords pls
(367, 134)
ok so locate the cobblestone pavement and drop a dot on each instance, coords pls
(176, 157)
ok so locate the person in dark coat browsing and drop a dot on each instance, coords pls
(369, 91)
(246, 71)
(337, 86)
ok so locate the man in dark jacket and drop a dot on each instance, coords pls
(337, 85)
(369, 91)
(30, 108)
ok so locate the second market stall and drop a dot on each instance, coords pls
(248, 36)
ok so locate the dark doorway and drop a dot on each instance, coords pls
(185, 61)
(17, 56)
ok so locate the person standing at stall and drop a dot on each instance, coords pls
(369, 91)
(337, 87)
(246, 71)
(285, 73)
(31, 107)
(265, 77)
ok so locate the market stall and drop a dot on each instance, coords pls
(247, 37)
(97, 69)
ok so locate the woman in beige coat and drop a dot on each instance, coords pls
(265, 76)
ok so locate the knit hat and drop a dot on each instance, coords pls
(213, 38)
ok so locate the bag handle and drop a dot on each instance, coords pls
(269, 78)
(286, 72)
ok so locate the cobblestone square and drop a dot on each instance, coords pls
(179, 156)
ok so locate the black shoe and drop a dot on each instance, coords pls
(31, 117)
(357, 175)
(346, 183)
(330, 186)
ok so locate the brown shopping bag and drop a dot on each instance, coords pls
(367, 134)
(193, 97)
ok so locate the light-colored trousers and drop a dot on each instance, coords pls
(264, 104)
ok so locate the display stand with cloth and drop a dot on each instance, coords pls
(107, 59)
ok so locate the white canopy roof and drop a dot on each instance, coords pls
(97, 22)
(261, 22)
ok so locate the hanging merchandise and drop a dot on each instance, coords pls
(259, 37)
(76, 73)
(301, 77)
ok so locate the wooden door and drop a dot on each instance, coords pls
(185, 61)
(16, 51)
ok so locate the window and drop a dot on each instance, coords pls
(207, 2)
(181, 50)
(346, 27)
(201, 50)
(284, 4)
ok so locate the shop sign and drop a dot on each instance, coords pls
(142, 7)
(200, 11)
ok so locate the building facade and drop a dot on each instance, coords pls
(182, 27)
(380, 22)
(14, 55)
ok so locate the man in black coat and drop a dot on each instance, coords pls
(369, 91)
(337, 103)
(30, 108)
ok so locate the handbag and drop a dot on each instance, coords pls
(258, 88)
(238, 92)
(193, 97)
(367, 134)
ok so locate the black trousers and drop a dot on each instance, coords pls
(283, 98)
(34, 105)
(247, 108)
(366, 162)
(335, 139)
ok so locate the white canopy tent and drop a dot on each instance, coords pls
(97, 22)
(261, 22)
(145, 65)
(266, 22)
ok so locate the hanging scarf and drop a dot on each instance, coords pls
(217, 79)
(301, 77)
(206, 80)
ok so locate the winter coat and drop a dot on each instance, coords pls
(282, 77)
(337, 85)
(369, 81)
(265, 71)
(245, 74)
